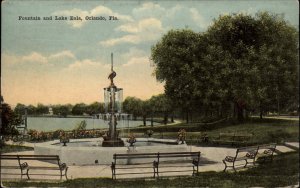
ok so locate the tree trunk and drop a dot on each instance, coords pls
(261, 111)
(172, 118)
(151, 120)
(144, 120)
(165, 118)
(240, 114)
(187, 117)
(261, 114)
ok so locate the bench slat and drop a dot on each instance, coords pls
(186, 158)
(25, 167)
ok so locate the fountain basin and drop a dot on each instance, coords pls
(90, 152)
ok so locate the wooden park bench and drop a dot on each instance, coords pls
(247, 154)
(266, 151)
(170, 162)
(233, 138)
(25, 167)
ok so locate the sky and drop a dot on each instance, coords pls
(68, 61)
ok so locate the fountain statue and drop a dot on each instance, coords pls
(113, 98)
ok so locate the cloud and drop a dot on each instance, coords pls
(63, 58)
(147, 10)
(84, 64)
(97, 11)
(34, 57)
(198, 18)
(63, 54)
(136, 60)
(144, 30)
(133, 52)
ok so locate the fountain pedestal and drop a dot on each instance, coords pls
(112, 140)
(113, 143)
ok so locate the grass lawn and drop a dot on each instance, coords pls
(283, 171)
(264, 131)
(14, 148)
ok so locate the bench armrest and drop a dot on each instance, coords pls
(195, 162)
(62, 166)
(268, 152)
(229, 159)
(155, 164)
(251, 155)
(24, 165)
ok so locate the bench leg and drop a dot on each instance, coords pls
(25, 173)
(225, 166)
(233, 167)
(66, 173)
(61, 174)
(113, 174)
(27, 170)
(246, 163)
(193, 171)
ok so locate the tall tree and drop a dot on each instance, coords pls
(250, 61)
(42, 109)
(133, 105)
(79, 109)
(20, 109)
(262, 55)
(174, 58)
(160, 104)
(95, 108)
(9, 121)
(61, 110)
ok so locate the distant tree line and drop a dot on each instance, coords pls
(60, 109)
(156, 106)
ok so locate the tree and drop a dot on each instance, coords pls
(31, 110)
(133, 105)
(9, 121)
(174, 58)
(95, 108)
(62, 110)
(42, 109)
(146, 110)
(20, 109)
(160, 104)
(263, 51)
(79, 109)
(239, 60)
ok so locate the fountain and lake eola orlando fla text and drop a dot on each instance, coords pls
(113, 99)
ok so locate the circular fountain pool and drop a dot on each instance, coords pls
(90, 151)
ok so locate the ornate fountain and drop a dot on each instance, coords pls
(113, 105)
(88, 151)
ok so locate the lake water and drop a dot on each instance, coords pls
(52, 124)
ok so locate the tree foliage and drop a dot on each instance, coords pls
(9, 121)
(133, 105)
(79, 109)
(95, 108)
(248, 61)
